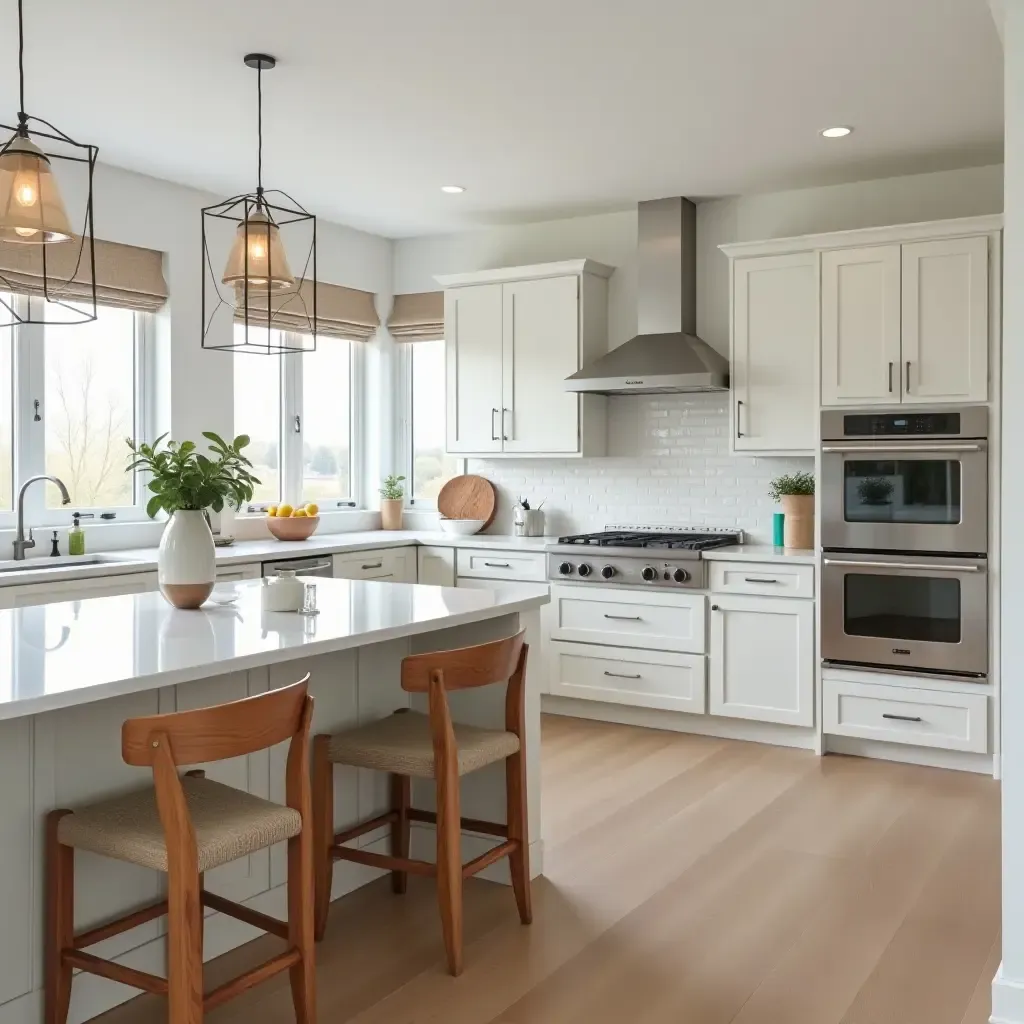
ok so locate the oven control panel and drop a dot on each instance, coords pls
(648, 571)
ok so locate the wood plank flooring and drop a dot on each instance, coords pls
(688, 880)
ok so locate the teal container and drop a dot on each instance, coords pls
(779, 529)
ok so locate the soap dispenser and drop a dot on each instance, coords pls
(76, 535)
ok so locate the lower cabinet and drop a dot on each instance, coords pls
(435, 566)
(73, 590)
(395, 564)
(234, 573)
(762, 659)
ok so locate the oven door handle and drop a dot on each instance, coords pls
(849, 563)
(897, 450)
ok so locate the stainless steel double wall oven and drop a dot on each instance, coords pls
(904, 530)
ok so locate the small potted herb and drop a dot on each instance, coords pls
(392, 501)
(795, 493)
(875, 490)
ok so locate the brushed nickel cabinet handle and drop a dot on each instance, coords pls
(498, 565)
(624, 618)
(755, 579)
(505, 436)
(739, 421)
(890, 376)
(622, 675)
(494, 431)
(908, 377)
(903, 718)
(375, 565)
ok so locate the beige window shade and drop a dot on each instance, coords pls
(418, 316)
(126, 276)
(340, 312)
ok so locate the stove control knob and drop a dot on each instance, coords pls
(680, 575)
(649, 573)
(584, 569)
(565, 568)
(608, 572)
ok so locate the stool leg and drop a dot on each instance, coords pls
(300, 925)
(184, 950)
(323, 832)
(449, 865)
(518, 829)
(400, 789)
(60, 927)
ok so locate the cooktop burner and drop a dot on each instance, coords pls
(679, 540)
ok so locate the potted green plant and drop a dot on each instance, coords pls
(185, 483)
(392, 501)
(875, 490)
(795, 493)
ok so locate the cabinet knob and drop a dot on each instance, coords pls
(715, 608)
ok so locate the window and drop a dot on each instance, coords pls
(298, 410)
(428, 467)
(78, 391)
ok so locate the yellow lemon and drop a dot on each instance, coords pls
(272, 510)
(312, 509)
(284, 511)
(299, 513)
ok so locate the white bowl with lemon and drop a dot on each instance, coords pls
(288, 523)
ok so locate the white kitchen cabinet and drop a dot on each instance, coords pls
(22, 596)
(490, 563)
(762, 659)
(395, 564)
(945, 320)
(435, 566)
(774, 353)
(234, 573)
(512, 337)
(861, 325)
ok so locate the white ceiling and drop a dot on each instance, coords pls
(539, 107)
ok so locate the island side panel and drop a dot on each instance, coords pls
(483, 792)
(19, 935)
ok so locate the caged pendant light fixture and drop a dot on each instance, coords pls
(41, 254)
(256, 302)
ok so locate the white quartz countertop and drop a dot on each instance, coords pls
(113, 563)
(761, 553)
(75, 652)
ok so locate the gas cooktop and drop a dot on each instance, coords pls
(685, 540)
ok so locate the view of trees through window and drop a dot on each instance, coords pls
(326, 419)
(258, 414)
(6, 417)
(431, 467)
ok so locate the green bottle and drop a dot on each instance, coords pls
(76, 536)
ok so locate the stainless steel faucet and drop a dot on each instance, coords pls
(20, 544)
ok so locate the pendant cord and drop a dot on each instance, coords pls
(259, 129)
(21, 61)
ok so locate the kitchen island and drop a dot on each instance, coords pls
(72, 672)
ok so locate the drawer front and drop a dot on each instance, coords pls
(769, 579)
(661, 622)
(901, 714)
(383, 564)
(502, 565)
(643, 679)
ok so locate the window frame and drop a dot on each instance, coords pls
(290, 438)
(28, 385)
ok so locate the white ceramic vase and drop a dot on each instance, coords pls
(185, 565)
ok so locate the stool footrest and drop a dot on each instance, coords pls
(120, 924)
(115, 972)
(236, 986)
(477, 864)
(382, 860)
(487, 828)
(264, 922)
(365, 826)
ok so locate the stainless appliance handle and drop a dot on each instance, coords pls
(896, 450)
(315, 568)
(622, 675)
(849, 563)
(624, 618)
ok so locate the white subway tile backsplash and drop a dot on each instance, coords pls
(668, 463)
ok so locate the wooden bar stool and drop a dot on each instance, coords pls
(185, 826)
(412, 745)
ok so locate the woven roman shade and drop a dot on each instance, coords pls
(340, 312)
(418, 316)
(126, 276)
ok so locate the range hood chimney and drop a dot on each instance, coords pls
(666, 357)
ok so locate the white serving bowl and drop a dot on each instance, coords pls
(462, 527)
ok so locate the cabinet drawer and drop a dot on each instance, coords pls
(502, 565)
(770, 579)
(643, 679)
(902, 714)
(395, 564)
(662, 622)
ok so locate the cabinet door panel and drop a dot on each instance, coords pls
(860, 326)
(945, 320)
(541, 349)
(473, 334)
(436, 566)
(775, 337)
(762, 659)
(76, 590)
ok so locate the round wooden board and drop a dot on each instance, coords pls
(468, 497)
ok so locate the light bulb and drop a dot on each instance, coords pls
(257, 250)
(25, 191)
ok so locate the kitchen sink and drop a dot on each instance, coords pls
(67, 562)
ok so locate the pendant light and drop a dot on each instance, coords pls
(39, 252)
(267, 303)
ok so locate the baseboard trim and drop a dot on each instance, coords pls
(956, 760)
(678, 721)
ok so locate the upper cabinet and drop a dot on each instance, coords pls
(773, 359)
(512, 337)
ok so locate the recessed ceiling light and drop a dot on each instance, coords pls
(837, 132)
(453, 189)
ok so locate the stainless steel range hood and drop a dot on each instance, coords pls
(666, 357)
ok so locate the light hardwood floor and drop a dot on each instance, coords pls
(688, 881)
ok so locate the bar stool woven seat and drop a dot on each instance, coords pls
(228, 823)
(402, 743)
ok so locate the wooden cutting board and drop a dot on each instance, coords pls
(468, 497)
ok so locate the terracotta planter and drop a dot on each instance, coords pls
(391, 513)
(185, 564)
(799, 525)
